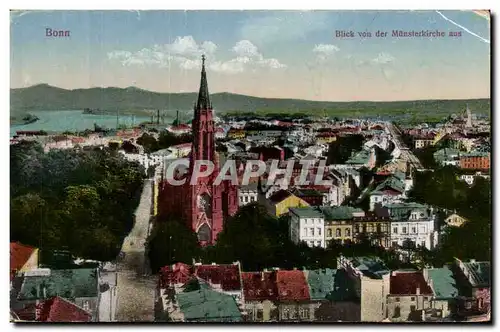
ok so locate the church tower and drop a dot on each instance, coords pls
(204, 204)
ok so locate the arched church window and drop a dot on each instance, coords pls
(205, 204)
(204, 233)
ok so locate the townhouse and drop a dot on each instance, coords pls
(413, 225)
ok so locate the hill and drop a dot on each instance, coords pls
(133, 100)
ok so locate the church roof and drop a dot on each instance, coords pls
(203, 96)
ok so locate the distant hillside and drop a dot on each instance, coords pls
(45, 97)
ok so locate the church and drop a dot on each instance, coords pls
(204, 206)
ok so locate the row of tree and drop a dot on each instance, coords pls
(165, 140)
(81, 201)
(442, 188)
(256, 239)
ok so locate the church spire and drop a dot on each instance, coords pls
(203, 96)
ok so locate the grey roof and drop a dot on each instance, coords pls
(208, 305)
(480, 273)
(307, 212)
(71, 283)
(372, 267)
(443, 283)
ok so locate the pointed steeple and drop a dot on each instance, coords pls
(203, 96)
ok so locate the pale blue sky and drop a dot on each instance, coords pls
(262, 53)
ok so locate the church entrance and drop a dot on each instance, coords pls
(204, 234)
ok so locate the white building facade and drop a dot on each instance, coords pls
(307, 224)
(413, 222)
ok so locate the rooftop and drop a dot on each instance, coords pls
(321, 283)
(407, 283)
(59, 310)
(208, 305)
(279, 196)
(259, 286)
(371, 267)
(361, 157)
(19, 255)
(226, 275)
(292, 286)
(307, 212)
(339, 212)
(443, 282)
(70, 283)
(480, 273)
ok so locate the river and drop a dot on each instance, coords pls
(60, 121)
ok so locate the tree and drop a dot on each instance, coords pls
(129, 147)
(148, 142)
(172, 242)
(83, 201)
(341, 150)
(248, 237)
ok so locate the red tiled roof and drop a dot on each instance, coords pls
(228, 276)
(285, 124)
(406, 283)
(60, 310)
(19, 255)
(77, 140)
(259, 286)
(178, 273)
(292, 286)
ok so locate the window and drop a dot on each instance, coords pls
(413, 308)
(319, 231)
(347, 232)
(395, 230)
(329, 232)
(312, 231)
(404, 230)
(260, 314)
(422, 244)
(338, 232)
(286, 313)
(304, 313)
(397, 312)
(413, 298)
(413, 229)
(397, 299)
(86, 306)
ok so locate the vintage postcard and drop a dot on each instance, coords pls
(250, 166)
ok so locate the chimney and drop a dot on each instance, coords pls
(262, 276)
(418, 290)
(393, 273)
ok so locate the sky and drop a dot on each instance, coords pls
(274, 54)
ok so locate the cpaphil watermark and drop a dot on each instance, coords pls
(177, 173)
